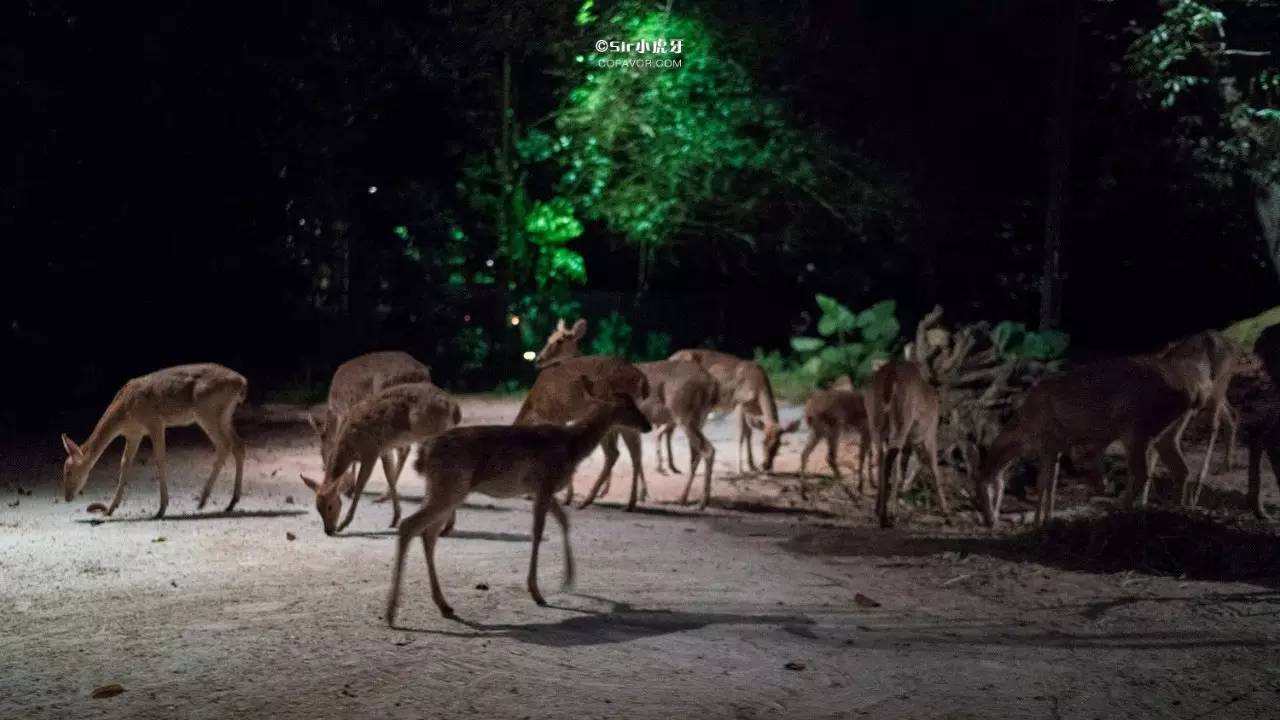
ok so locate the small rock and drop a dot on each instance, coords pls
(159, 539)
(482, 586)
(864, 601)
(793, 665)
(290, 536)
(106, 691)
(288, 499)
(173, 583)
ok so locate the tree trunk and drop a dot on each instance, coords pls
(1059, 168)
(1267, 205)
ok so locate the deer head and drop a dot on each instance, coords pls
(561, 344)
(773, 433)
(75, 469)
(329, 499)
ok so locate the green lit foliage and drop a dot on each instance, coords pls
(678, 154)
(1015, 342)
(1227, 102)
(612, 336)
(851, 341)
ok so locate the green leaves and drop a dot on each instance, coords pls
(1014, 341)
(874, 332)
(552, 222)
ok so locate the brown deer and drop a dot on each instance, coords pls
(1136, 400)
(358, 379)
(902, 406)
(830, 414)
(681, 393)
(204, 394)
(745, 388)
(1214, 358)
(396, 416)
(557, 398)
(1266, 437)
(508, 461)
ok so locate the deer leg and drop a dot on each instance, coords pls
(809, 445)
(708, 456)
(237, 452)
(864, 455)
(539, 523)
(671, 458)
(1136, 449)
(657, 450)
(366, 469)
(391, 489)
(1232, 420)
(1169, 452)
(388, 460)
(126, 461)
(221, 449)
(693, 468)
(158, 450)
(930, 449)
(631, 439)
(609, 444)
(884, 504)
(1215, 423)
(424, 523)
(563, 518)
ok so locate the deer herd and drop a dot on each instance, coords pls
(381, 404)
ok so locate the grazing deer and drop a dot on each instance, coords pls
(204, 394)
(508, 461)
(358, 379)
(1136, 400)
(1214, 358)
(1266, 437)
(831, 413)
(396, 416)
(744, 387)
(901, 404)
(557, 398)
(681, 393)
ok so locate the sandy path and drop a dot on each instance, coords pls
(675, 614)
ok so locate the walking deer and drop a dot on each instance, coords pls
(830, 414)
(1213, 358)
(557, 398)
(681, 393)
(508, 461)
(902, 406)
(1136, 400)
(204, 394)
(359, 379)
(745, 388)
(396, 416)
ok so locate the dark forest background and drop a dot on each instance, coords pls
(280, 185)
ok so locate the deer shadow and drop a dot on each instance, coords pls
(455, 535)
(220, 515)
(622, 622)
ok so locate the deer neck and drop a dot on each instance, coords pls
(104, 433)
(764, 395)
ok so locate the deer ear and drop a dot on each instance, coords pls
(792, 426)
(71, 447)
(580, 328)
(755, 422)
(588, 387)
(560, 325)
(315, 423)
(315, 486)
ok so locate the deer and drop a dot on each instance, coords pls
(203, 394)
(744, 388)
(830, 414)
(509, 461)
(902, 405)
(359, 379)
(557, 398)
(396, 416)
(682, 393)
(1266, 437)
(1215, 358)
(1138, 401)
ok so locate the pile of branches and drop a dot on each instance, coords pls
(980, 387)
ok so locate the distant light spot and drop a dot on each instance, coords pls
(466, 318)
(809, 267)
(515, 319)
(488, 263)
(373, 189)
(530, 355)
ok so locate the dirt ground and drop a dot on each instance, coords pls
(752, 609)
